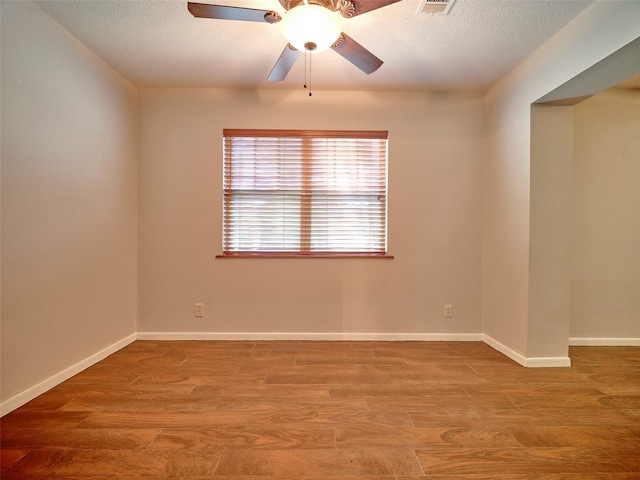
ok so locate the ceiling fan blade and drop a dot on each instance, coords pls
(357, 54)
(284, 64)
(364, 6)
(203, 10)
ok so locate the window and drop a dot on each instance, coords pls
(300, 192)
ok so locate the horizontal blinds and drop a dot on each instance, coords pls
(304, 191)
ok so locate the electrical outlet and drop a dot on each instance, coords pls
(448, 311)
(198, 309)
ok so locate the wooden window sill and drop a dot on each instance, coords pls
(304, 255)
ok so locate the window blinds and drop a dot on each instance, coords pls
(305, 192)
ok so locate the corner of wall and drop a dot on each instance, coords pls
(26, 396)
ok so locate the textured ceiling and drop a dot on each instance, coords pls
(159, 43)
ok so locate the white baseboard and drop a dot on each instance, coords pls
(307, 336)
(26, 396)
(529, 362)
(33, 392)
(604, 342)
(512, 354)
(540, 362)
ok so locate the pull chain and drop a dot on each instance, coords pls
(307, 83)
(310, 62)
(305, 68)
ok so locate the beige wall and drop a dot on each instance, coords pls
(550, 229)
(435, 211)
(68, 201)
(509, 200)
(605, 274)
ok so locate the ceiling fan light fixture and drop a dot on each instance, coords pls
(311, 28)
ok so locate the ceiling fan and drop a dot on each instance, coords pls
(309, 26)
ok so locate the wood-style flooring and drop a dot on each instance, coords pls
(332, 411)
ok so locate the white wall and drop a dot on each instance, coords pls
(605, 274)
(598, 32)
(435, 213)
(550, 229)
(68, 201)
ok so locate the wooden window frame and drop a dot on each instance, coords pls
(306, 193)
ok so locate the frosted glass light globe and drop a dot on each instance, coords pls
(311, 27)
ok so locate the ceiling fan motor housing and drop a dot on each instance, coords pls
(346, 7)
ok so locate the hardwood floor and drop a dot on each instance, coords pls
(332, 411)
